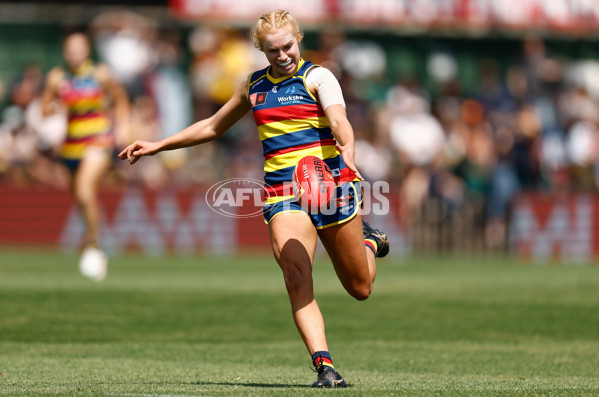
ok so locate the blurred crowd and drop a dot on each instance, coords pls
(531, 123)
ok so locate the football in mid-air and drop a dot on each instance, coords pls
(313, 183)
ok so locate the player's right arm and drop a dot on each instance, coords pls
(203, 131)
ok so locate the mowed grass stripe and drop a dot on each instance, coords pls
(221, 326)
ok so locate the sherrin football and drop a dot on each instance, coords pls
(313, 183)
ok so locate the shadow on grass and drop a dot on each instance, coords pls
(250, 384)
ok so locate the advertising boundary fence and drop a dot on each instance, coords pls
(543, 228)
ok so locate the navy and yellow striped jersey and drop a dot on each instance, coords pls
(87, 107)
(291, 125)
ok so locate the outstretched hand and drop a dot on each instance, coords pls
(137, 149)
(347, 154)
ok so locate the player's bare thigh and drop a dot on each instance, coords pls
(345, 246)
(92, 168)
(293, 239)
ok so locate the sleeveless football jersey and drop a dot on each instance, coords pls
(88, 121)
(291, 125)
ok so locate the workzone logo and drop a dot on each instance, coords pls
(290, 99)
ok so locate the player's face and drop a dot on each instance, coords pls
(76, 50)
(282, 51)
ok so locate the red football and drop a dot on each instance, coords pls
(313, 183)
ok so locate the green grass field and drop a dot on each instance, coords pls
(222, 326)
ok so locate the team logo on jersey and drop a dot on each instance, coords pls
(275, 89)
(343, 200)
(259, 98)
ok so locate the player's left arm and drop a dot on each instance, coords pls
(121, 106)
(326, 87)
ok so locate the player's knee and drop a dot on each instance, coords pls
(84, 195)
(360, 291)
(296, 280)
(82, 198)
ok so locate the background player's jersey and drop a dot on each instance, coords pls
(291, 125)
(88, 120)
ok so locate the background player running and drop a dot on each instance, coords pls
(97, 109)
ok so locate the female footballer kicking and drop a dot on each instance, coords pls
(299, 110)
(91, 97)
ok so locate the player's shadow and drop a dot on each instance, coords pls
(252, 384)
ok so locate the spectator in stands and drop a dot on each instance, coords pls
(28, 141)
(418, 139)
(18, 147)
(125, 42)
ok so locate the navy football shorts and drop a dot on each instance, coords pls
(343, 207)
